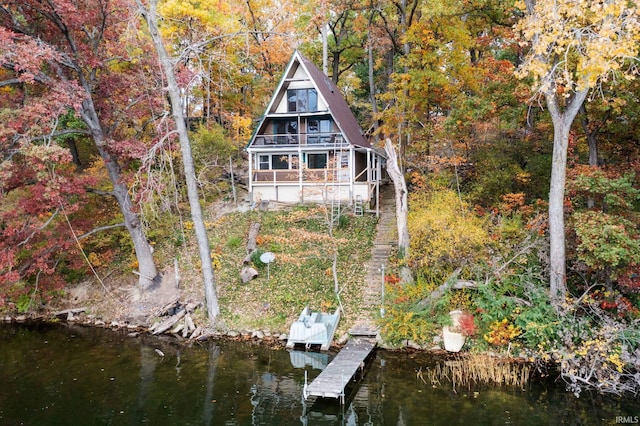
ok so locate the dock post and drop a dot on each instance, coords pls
(305, 395)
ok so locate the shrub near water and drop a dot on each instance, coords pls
(592, 339)
(445, 234)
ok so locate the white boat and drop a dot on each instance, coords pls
(313, 328)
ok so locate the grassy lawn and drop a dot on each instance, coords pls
(302, 272)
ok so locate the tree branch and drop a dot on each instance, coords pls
(99, 229)
(100, 192)
(10, 82)
(26, 240)
(62, 133)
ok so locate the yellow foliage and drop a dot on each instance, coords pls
(241, 126)
(445, 234)
(212, 16)
(216, 260)
(94, 259)
(502, 332)
(575, 45)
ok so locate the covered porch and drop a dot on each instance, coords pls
(347, 175)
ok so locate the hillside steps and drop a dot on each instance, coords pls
(384, 245)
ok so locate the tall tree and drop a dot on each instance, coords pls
(344, 37)
(149, 12)
(573, 47)
(269, 25)
(402, 206)
(406, 13)
(62, 55)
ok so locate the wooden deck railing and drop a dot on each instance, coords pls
(315, 139)
(308, 175)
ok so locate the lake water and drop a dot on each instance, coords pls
(73, 375)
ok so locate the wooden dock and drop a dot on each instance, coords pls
(333, 379)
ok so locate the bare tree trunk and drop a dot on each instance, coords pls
(233, 181)
(591, 133)
(402, 207)
(561, 128)
(325, 49)
(592, 136)
(252, 241)
(73, 149)
(150, 16)
(405, 22)
(146, 266)
(372, 85)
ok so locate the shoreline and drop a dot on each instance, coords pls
(266, 337)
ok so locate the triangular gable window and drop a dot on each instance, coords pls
(302, 100)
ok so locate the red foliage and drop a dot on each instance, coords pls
(391, 279)
(629, 279)
(616, 303)
(63, 61)
(467, 323)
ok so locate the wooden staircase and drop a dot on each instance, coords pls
(384, 244)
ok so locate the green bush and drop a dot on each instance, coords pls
(234, 242)
(255, 258)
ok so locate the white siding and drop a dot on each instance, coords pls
(289, 193)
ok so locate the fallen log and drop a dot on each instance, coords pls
(169, 309)
(204, 336)
(247, 274)
(192, 306)
(177, 312)
(252, 241)
(451, 283)
(197, 332)
(177, 328)
(71, 311)
(459, 285)
(170, 322)
(189, 322)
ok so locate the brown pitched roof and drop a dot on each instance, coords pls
(338, 107)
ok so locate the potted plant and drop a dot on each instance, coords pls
(455, 335)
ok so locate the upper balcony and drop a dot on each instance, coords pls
(305, 139)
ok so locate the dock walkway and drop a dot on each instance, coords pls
(335, 378)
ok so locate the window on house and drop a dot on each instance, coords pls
(319, 131)
(317, 160)
(286, 131)
(263, 162)
(302, 100)
(278, 161)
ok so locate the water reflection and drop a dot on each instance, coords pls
(76, 376)
(315, 360)
(208, 403)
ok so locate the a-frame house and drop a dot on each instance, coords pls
(308, 146)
